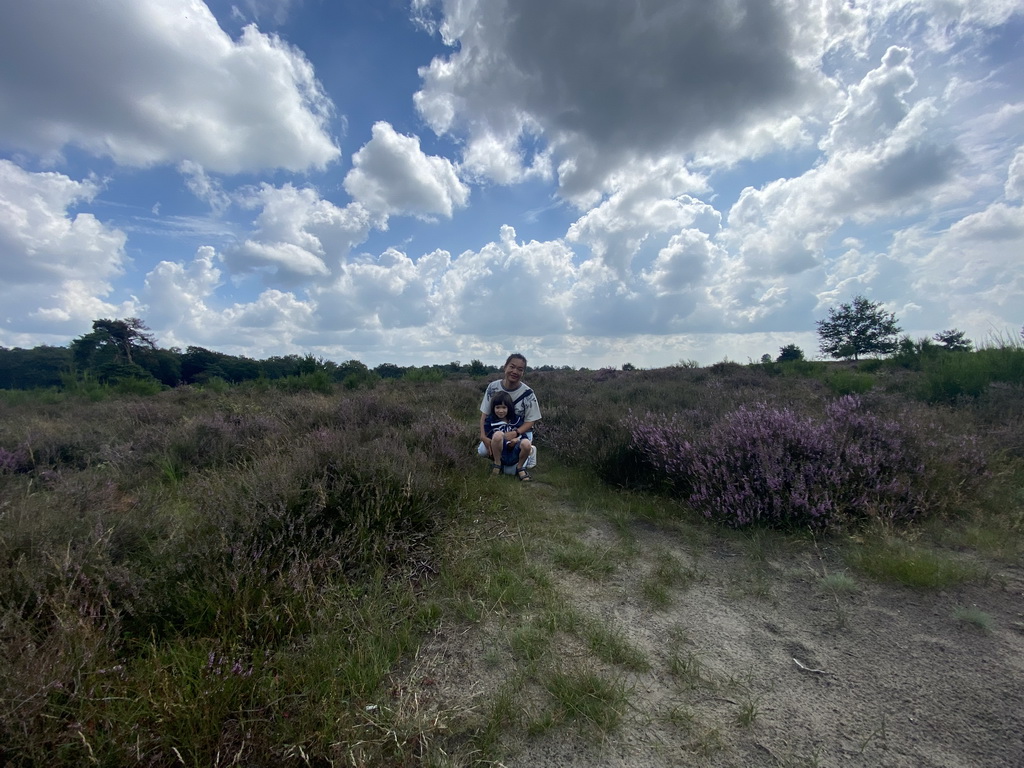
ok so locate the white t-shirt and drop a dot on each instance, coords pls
(528, 407)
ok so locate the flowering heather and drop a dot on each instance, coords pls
(14, 461)
(775, 466)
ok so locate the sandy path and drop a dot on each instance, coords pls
(899, 681)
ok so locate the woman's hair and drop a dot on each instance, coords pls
(502, 398)
(513, 356)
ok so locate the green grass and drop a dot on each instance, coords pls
(593, 562)
(530, 643)
(901, 562)
(838, 583)
(613, 647)
(748, 713)
(588, 696)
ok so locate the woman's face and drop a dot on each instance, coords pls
(514, 372)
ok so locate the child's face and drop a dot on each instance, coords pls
(501, 410)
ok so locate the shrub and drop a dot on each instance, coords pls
(778, 467)
(954, 375)
(317, 381)
(844, 382)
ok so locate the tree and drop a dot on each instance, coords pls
(109, 351)
(31, 368)
(789, 353)
(954, 340)
(859, 328)
(389, 371)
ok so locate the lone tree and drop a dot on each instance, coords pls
(954, 340)
(113, 348)
(859, 328)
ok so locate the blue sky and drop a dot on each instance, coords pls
(591, 182)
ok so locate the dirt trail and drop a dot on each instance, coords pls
(753, 663)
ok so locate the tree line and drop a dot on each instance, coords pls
(125, 349)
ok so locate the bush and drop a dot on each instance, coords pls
(953, 375)
(775, 466)
(844, 382)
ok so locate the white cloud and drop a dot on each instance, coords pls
(298, 234)
(875, 105)
(392, 175)
(649, 201)
(1015, 176)
(969, 275)
(489, 157)
(388, 292)
(508, 288)
(177, 294)
(209, 190)
(182, 309)
(57, 265)
(158, 82)
(883, 160)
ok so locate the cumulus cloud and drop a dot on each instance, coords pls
(882, 160)
(158, 82)
(183, 309)
(177, 294)
(57, 264)
(390, 291)
(298, 235)
(651, 77)
(392, 175)
(508, 287)
(969, 273)
(648, 201)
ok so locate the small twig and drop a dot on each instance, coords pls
(805, 668)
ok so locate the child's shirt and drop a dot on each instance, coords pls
(493, 424)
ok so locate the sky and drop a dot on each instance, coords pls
(588, 182)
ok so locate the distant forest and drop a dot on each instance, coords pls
(124, 351)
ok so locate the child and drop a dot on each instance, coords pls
(501, 421)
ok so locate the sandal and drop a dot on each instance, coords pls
(495, 470)
(523, 475)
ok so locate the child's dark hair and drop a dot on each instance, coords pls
(502, 398)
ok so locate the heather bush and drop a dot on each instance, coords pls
(584, 414)
(779, 467)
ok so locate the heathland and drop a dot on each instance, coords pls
(779, 564)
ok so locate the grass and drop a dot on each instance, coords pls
(589, 696)
(613, 647)
(587, 560)
(667, 576)
(898, 561)
(975, 617)
(838, 583)
(748, 713)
